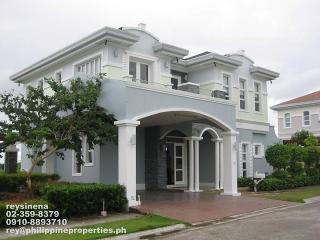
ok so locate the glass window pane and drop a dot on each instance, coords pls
(244, 174)
(244, 165)
(178, 163)
(144, 72)
(257, 107)
(242, 104)
(90, 156)
(133, 69)
(179, 176)
(178, 151)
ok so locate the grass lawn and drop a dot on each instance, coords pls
(142, 223)
(293, 195)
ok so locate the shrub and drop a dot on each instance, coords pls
(12, 182)
(280, 174)
(313, 156)
(298, 155)
(311, 140)
(245, 182)
(3, 210)
(278, 155)
(299, 137)
(80, 199)
(274, 184)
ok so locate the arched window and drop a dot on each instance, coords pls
(306, 118)
(287, 120)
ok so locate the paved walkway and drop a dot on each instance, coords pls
(297, 223)
(201, 207)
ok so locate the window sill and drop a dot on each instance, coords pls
(88, 164)
(76, 174)
(258, 156)
(243, 110)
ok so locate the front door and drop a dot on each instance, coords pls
(178, 163)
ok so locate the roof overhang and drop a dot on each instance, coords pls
(105, 34)
(263, 72)
(295, 105)
(170, 50)
(210, 58)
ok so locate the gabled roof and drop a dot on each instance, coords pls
(311, 98)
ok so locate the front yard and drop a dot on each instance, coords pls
(142, 223)
(292, 195)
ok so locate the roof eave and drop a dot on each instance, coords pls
(294, 105)
(170, 50)
(106, 33)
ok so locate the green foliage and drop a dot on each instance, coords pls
(49, 123)
(76, 199)
(299, 137)
(311, 141)
(298, 155)
(278, 155)
(313, 157)
(12, 182)
(281, 174)
(274, 184)
(245, 182)
(30, 202)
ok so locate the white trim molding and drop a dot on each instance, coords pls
(261, 150)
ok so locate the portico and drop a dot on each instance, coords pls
(183, 163)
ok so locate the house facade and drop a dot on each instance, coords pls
(185, 122)
(297, 114)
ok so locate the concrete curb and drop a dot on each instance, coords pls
(157, 231)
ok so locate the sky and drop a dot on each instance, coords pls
(280, 35)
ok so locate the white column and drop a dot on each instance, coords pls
(230, 185)
(127, 158)
(221, 160)
(217, 165)
(196, 165)
(191, 166)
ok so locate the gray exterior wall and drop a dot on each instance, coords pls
(296, 125)
(207, 159)
(265, 138)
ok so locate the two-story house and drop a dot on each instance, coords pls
(297, 114)
(187, 122)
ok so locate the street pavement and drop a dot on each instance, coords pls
(301, 222)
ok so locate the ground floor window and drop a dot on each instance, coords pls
(244, 158)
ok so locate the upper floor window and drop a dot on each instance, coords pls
(257, 97)
(287, 120)
(242, 86)
(58, 77)
(91, 67)
(306, 118)
(226, 84)
(139, 71)
(40, 84)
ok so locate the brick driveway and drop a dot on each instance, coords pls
(199, 207)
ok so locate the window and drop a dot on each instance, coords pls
(40, 84)
(139, 71)
(175, 81)
(257, 97)
(58, 77)
(226, 84)
(242, 86)
(287, 120)
(91, 67)
(258, 150)
(306, 118)
(244, 159)
(76, 166)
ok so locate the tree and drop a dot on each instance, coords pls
(299, 137)
(298, 155)
(278, 156)
(311, 141)
(51, 123)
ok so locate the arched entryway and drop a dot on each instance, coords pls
(183, 129)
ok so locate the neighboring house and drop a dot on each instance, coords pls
(297, 114)
(183, 122)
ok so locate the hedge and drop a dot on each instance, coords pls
(13, 181)
(3, 210)
(245, 182)
(83, 199)
(274, 184)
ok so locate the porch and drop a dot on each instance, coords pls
(199, 207)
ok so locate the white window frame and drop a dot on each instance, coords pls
(229, 86)
(56, 74)
(254, 96)
(85, 152)
(74, 161)
(246, 160)
(86, 60)
(245, 94)
(261, 153)
(138, 62)
(304, 120)
(284, 120)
